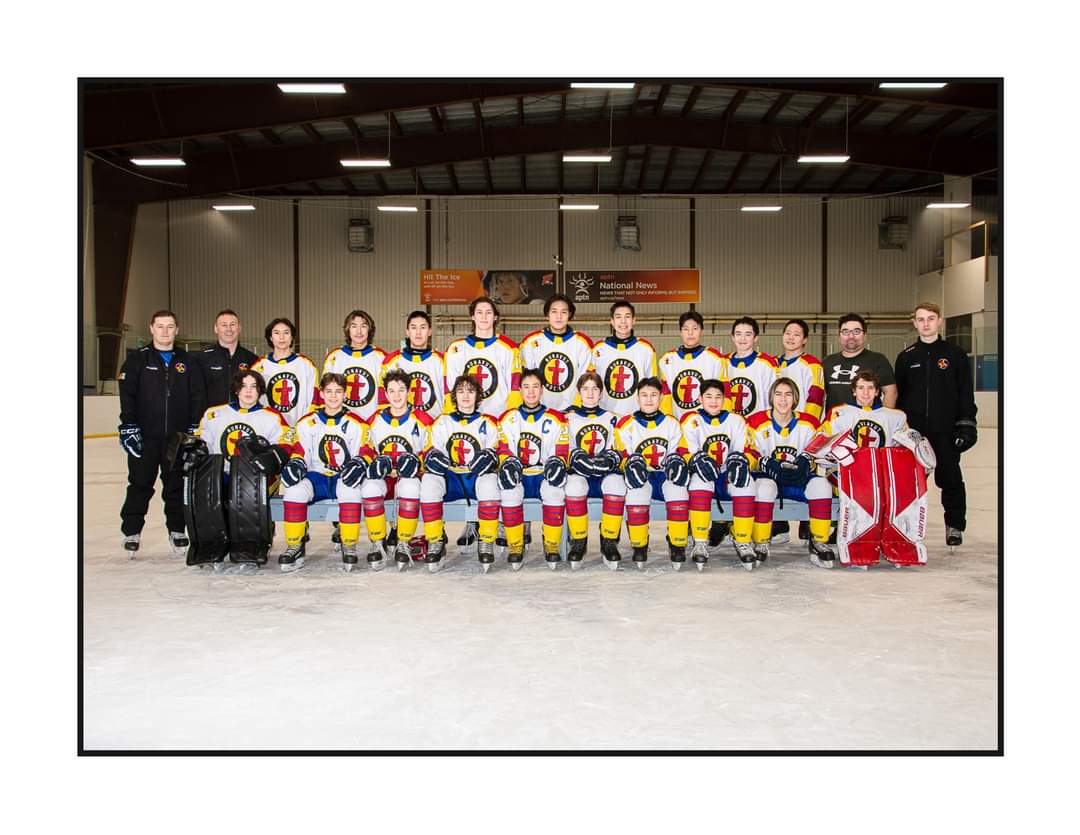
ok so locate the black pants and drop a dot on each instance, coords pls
(948, 477)
(142, 473)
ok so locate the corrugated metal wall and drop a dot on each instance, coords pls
(148, 274)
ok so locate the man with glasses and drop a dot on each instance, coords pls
(853, 357)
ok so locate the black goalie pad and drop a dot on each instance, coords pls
(184, 451)
(268, 458)
(251, 531)
(204, 511)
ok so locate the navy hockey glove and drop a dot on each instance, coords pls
(555, 472)
(379, 468)
(485, 462)
(676, 470)
(131, 439)
(408, 465)
(436, 462)
(582, 464)
(294, 470)
(738, 469)
(965, 435)
(705, 467)
(606, 462)
(772, 468)
(354, 472)
(510, 473)
(803, 468)
(636, 471)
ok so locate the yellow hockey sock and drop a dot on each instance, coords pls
(579, 526)
(677, 532)
(433, 530)
(819, 529)
(488, 529)
(376, 528)
(406, 528)
(610, 526)
(552, 538)
(762, 531)
(700, 521)
(741, 526)
(515, 537)
(350, 532)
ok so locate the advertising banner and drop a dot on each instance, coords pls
(453, 286)
(637, 286)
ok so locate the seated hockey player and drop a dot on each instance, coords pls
(871, 425)
(654, 467)
(330, 460)
(461, 464)
(533, 452)
(784, 469)
(721, 456)
(594, 473)
(398, 436)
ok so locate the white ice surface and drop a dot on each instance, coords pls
(788, 656)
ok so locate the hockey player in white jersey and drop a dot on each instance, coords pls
(533, 454)
(491, 358)
(748, 373)
(722, 455)
(360, 363)
(399, 436)
(291, 378)
(561, 353)
(329, 461)
(870, 425)
(687, 367)
(425, 366)
(243, 417)
(594, 473)
(622, 361)
(462, 464)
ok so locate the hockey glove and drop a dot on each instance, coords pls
(131, 439)
(705, 467)
(607, 462)
(436, 462)
(772, 468)
(193, 428)
(636, 471)
(294, 470)
(582, 464)
(268, 459)
(408, 465)
(965, 435)
(738, 469)
(676, 470)
(354, 472)
(485, 462)
(510, 473)
(379, 468)
(555, 472)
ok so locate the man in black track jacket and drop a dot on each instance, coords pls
(219, 363)
(936, 389)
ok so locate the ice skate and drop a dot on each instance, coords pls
(349, 559)
(745, 552)
(700, 554)
(131, 545)
(335, 538)
(552, 558)
(468, 537)
(821, 554)
(641, 554)
(677, 554)
(219, 566)
(953, 538)
(377, 555)
(609, 550)
(516, 557)
(434, 555)
(485, 552)
(179, 542)
(761, 551)
(402, 555)
(292, 558)
(782, 538)
(576, 552)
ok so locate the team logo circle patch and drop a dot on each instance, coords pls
(487, 376)
(785, 453)
(716, 447)
(422, 391)
(332, 452)
(180, 368)
(653, 450)
(462, 448)
(621, 379)
(283, 391)
(558, 370)
(943, 364)
(392, 446)
(687, 389)
(868, 434)
(592, 438)
(743, 395)
(233, 433)
(528, 450)
(359, 386)
(243, 366)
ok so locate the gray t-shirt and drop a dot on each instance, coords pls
(841, 370)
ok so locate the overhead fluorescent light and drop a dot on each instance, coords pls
(824, 159)
(161, 162)
(586, 157)
(235, 207)
(579, 206)
(366, 163)
(601, 85)
(761, 208)
(313, 89)
(947, 205)
(912, 85)
(397, 208)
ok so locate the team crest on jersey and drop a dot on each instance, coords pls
(233, 433)
(653, 450)
(528, 449)
(392, 446)
(621, 379)
(687, 389)
(592, 438)
(558, 372)
(785, 453)
(332, 452)
(485, 373)
(180, 368)
(422, 391)
(716, 447)
(359, 386)
(943, 364)
(867, 433)
(743, 395)
(462, 448)
(283, 391)
(242, 366)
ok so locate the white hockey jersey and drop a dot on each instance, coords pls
(292, 385)
(461, 437)
(748, 380)
(362, 370)
(807, 374)
(622, 365)
(222, 426)
(653, 439)
(428, 389)
(496, 365)
(592, 430)
(682, 372)
(562, 359)
(327, 443)
(872, 426)
(783, 443)
(391, 436)
(533, 437)
(718, 435)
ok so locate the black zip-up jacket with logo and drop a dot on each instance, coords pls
(159, 398)
(934, 385)
(218, 367)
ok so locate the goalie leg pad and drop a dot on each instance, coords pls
(859, 519)
(251, 530)
(204, 511)
(905, 525)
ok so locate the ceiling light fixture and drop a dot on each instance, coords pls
(366, 163)
(234, 207)
(158, 162)
(397, 208)
(601, 85)
(912, 85)
(313, 89)
(824, 159)
(579, 206)
(586, 157)
(761, 208)
(947, 205)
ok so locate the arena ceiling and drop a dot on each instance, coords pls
(682, 137)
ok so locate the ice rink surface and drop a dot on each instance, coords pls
(788, 656)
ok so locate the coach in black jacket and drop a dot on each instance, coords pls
(936, 390)
(161, 392)
(219, 363)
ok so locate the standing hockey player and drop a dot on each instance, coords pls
(360, 363)
(561, 353)
(291, 378)
(219, 363)
(936, 391)
(533, 454)
(426, 367)
(780, 437)
(721, 456)
(871, 424)
(853, 357)
(461, 464)
(687, 367)
(330, 460)
(622, 361)
(491, 358)
(654, 466)
(161, 393)
(594, 473)
(748, 372)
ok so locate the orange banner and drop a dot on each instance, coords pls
(505, 286)
(638, 286)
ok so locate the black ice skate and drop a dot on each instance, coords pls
(485, 552)
(436, 551)
(761, 551)
(402, 555)
(609, 550)
(745, 552)
(576, 552)
(552, 558)
(468, 535)
(179, 542)
(376, 555)
(641, 553)
(131, 545)
(349, 559)
(677, 554)
(700, 554)
(821, 554)
(954, 539)
(516, 557)
(292, 558)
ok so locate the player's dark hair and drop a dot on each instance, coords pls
(361, 314)
(867, 375)
(746, 320)
(161, 314)
(532, 372)
(615, 305)
(228, 311)
(281, 320)
(238, 378)
(482, 300)
(560, 297)
(396, 375)
(802, 324)
(418, 314)
(468, 381)
(691, 316)
(590, 377)
(332, 377)
(851, 317)
(711, 384)
(651, 382)
(783, 381)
